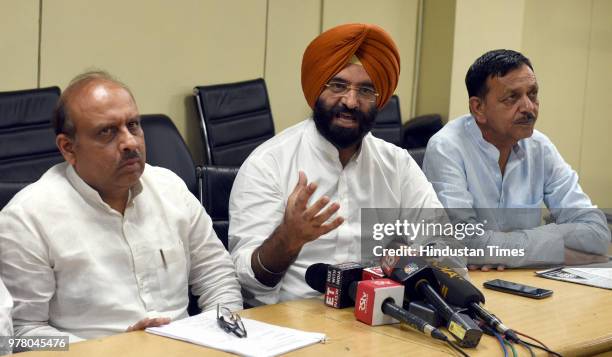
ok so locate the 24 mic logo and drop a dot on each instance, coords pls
(363, 302)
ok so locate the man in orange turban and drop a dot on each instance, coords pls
(280, 224)
(353, 49)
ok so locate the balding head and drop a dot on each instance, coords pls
(63, 118)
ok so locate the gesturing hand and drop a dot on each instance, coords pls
(303, 224)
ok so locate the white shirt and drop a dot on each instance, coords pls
(380, 175)
(75, 265)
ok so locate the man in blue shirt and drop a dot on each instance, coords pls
(494, 168)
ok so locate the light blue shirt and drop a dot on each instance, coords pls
(464, 171)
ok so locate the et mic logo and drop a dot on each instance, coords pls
(331, 296)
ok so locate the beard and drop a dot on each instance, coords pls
(341, 137)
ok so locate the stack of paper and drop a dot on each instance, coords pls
(597, 275)
(263, 339)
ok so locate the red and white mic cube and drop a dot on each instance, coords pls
(369, 299)
(374, 272)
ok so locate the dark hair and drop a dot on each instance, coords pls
(496, 63)
(61, 121)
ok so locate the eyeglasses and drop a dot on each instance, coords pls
(364, 93)
(230, 322)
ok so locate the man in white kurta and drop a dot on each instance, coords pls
(297, 199)
(103, 243)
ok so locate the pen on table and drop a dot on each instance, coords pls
(163, 258)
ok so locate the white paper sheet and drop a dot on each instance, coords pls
(597, 275)
(263, 339)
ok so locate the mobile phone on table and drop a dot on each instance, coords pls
(517, 289)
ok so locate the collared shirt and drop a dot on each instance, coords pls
(463, 168)
(73, 264)
(379, 175)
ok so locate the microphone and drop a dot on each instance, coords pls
(375, 305)
(419, 280)
(462, 293)
(334, 281)
(344, 278)
(315, 276)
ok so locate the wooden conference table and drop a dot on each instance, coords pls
(576, 320)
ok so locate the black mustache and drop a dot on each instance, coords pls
(527, 118)
(128, 155)
(343, 109)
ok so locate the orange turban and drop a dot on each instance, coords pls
(331, 51)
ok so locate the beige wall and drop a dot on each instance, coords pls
(596, 148)
(481, 25)
(18, 44)
(162, 49)
(436, 59)
(288, 36)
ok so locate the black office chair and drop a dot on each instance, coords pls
(27, 140)
(418, 154)
(166, 148)
(418, 130)
(388, 125)
(217, 186)
(217, 182)
(234, 119)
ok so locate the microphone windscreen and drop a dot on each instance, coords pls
(316, 276)
(456, 290)
(409, 271)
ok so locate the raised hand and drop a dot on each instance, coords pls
(303, 224)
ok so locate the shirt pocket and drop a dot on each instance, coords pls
(172, 273)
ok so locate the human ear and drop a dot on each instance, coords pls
(477, 109)
(66, 146)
